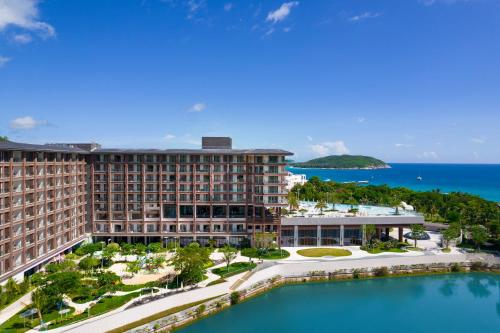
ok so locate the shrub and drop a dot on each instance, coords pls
(71, 256)
(235, 297)
(456, 268)
(477, 266)
(200, 310)
(250, 252)
(355, 274)
(381, 271)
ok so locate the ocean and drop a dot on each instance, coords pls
(479, 179)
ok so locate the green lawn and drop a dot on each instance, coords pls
(15, 323)
(233, 269)
(273, 254)
(104, 305)
(322, 252)
(221, 280)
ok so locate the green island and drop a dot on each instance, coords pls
(343, 162)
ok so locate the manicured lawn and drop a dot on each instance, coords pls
(323, 252)
(446, 250)
(15, 323)
(221, 280)
(233, 269)
(104, 305)
(265, 254)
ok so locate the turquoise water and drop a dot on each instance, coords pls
(441, 303)
(479, 179)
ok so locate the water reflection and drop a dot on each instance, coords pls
(448, 288)
(479, 287)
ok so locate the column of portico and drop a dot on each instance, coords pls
(295, 235)
(341, 235)
(379, 233)
(318, 234)
(387, 230)
(400, 234)
(363, 235)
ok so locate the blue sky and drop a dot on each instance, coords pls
(402, 80)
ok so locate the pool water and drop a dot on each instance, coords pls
(439, 303)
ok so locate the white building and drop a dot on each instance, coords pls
(293, 179)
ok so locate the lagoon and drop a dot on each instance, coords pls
(438, 303)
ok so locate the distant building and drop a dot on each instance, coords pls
(294, 179)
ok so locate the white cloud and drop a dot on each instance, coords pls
(328, 148)
(169, 137)
(23, 14)
(281, 13)
(23, 38)
(195, 5)
(360, 119)
(198, 107)
(364, 16)
(287, 29)
(4, 60)
(478, 140)
(309, 138)
(228, 6)
(428, 155)
(25, 123)
(403, 145)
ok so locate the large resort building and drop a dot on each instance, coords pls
(54, 196)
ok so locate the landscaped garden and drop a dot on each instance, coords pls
(266, 254)
(233, 269)
(324, 252)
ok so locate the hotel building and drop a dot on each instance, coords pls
(186, 195)
(42, 204)
(54, 196)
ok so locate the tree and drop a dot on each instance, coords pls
(293, 202)
(229, 253)
(39, 299)
(107, 281)
(190, 262)
(88, 248)
(154, 247)
(479, 235)
(139, 249)
(134, 267)
(370, 231)
(452, 232)
(109, 251)
(88, 264)
(321, 204)
(264, 240)
(3, 138)
(416, 231)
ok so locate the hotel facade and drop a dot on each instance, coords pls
(54, 196)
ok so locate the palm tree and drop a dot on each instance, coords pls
(292, 201)
(321, 204)
(369, 233)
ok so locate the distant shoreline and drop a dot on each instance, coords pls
(364, 168)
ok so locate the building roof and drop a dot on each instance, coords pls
(358, 220)
(18, 146)
(194, 151)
